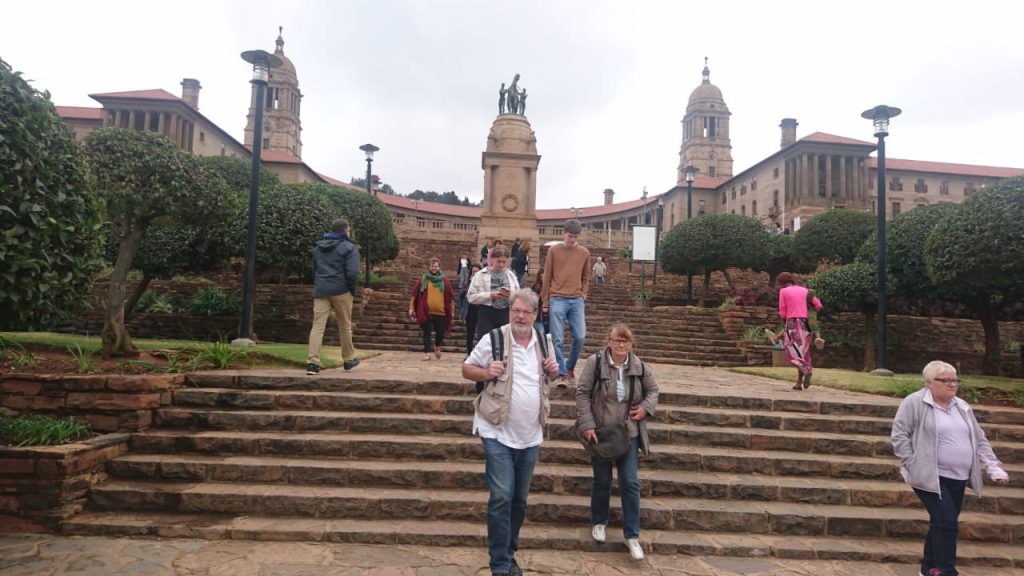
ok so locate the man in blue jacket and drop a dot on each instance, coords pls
(335, 284)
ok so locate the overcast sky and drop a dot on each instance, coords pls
(608, 81)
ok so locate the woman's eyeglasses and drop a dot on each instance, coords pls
(620, 341)
(947, 380)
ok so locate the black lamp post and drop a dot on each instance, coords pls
(880, 115)
(262, 61)
(369, 149)
(690, 171)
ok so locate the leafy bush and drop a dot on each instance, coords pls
(218, 356)
(212, 301)
(969, 392)
(904, 389)
(834, 236)
(82, 357)
(50, 215)
(35, 430)
(156, 302)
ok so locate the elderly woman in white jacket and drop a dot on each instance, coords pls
(942, 450)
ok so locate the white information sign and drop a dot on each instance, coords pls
(645, 242)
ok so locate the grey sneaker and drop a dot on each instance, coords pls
(312, 369)
(351, 364)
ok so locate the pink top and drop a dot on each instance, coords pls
(793, 302)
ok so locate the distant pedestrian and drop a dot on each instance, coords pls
(490, 289)
(797, 337)
(464, 277)
(566, 282)
(599, 270)
(521, 260)
(542, 317)
(432, 306)
(471, 313)
(335, 285)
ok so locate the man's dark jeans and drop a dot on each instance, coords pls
(509, 472)
(944, 511)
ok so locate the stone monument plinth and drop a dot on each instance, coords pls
(510, 183)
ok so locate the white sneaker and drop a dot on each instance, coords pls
(635, 550)
(598, 533)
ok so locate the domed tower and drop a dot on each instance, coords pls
(706, 132)
(282, 129)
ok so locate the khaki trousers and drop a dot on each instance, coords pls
(342, 306)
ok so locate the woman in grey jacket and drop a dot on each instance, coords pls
(942, 450)
(602, 399)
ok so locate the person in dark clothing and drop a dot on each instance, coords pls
(335, 286)
(472, 312)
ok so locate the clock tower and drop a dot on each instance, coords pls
(282, 129)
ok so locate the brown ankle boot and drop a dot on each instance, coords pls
(807, 381)
(799, 381)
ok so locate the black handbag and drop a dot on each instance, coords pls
(612, 440)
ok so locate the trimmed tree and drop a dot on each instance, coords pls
(977, 252)
(50, 215)
(713, 242)
(779, 256)
(852, 287)
(834, 236)
(370, 220)
(145, 179)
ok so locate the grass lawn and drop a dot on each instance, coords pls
(268, 354)
(899, 385)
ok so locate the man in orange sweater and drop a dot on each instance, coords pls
(564, 293)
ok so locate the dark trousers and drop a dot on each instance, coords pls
(944, 512)
(472, 313)
(435, 323)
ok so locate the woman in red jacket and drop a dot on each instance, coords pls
(432, 306)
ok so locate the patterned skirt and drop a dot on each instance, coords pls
(796, 341)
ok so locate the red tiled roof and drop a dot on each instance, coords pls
(339, 183)
(155, 94)
(823, 138)
(947, 168)
(431, 207)
(80, 112)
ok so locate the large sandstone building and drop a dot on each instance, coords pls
(805, 177)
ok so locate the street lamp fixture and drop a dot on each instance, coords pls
(369, 149)
(690, 171)
(880, 116)
(262, 61)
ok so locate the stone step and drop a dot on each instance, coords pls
(462, 404)
(534, 536)
(557, 428)
(548, 478)
(660, 513)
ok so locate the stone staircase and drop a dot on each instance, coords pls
(681, 336)
(385, 460)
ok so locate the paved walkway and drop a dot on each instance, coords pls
(95, 556)
(55, 555)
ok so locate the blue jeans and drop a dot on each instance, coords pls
(559, 309)
(509, 472)
(944, 512)
(599, 279)
(629, 490)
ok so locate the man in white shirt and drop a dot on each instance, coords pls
(510, 415)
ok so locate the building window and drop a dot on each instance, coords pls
(920, 186)
(969, 189)
(775, 173)
(266, 143)
(896, 185)
(895, 209)
(944, 188)
(733, 192)
(711, 171)
(753, 208)
(223, 150)
(202, 136)
(700, 207)
(871, 183)
(775, 198)
(154, 122)
(743, 190)
(743, 210)
(753, 184)
(724, 198)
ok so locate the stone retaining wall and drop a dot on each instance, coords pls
(109, 403)
(42, 486)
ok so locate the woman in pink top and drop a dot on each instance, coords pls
(796, 335)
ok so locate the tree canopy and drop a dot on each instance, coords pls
(50, 215)
(834, 236)
(145, 179)
(853, 287)
(977, 253)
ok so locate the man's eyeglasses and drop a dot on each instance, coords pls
(620, 341)
(523, 312)
(947, 380)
